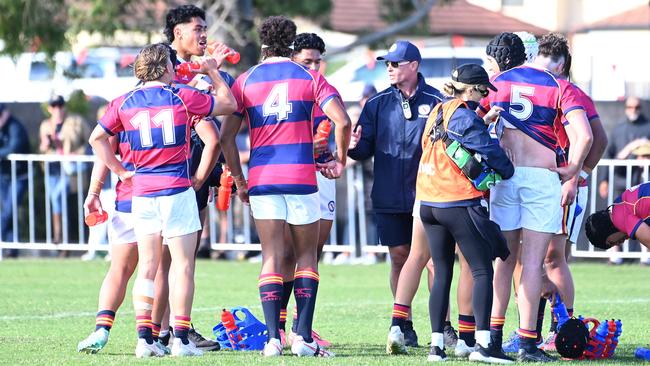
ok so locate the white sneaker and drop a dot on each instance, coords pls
(396, 344)
(328, 258)
(88, 256)
(302, 348)
(94, 342)
(162, 347)
(272, 348)
(145, 350)
(463, 350)
(343, 258)
(184, 350)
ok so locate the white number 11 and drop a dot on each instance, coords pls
(164, 118)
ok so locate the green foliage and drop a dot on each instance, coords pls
(393, 11)
(311, 9)
(33, 24)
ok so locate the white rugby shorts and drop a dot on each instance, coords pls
(327, 196)
(120, 231)
(295, 209)
(171, 216)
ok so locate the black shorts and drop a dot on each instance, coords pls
(394, 229)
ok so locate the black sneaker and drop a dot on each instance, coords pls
(200, 342)
(436, 354)
(450, 336)
(166, 340)
(492, 354)
(410, 337)
(537, 356)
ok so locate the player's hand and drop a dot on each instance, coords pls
(569, 192)
(548, 289)
(242, 188)
(332, 169)
(566, 172)
(355, 136)
(92, 204)
(126, 176)
(221, 51)
(492, 114)
(208, 64)
(320, 146)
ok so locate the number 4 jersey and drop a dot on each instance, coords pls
(278, 98)
(156, 121)
(532, 99)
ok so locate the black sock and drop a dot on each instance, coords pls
(540, 317)
(466, 329)
(400, 315)
(287, 290)
(270, 286)
(305, 290)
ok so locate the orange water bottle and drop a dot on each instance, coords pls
(225, 190)
(96, 218)
(228, 321)
(233, 59)
(322, 132)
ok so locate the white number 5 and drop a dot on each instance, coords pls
(518, 95)
(277, 103)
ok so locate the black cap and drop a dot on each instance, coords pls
(472, 74)
(56, 101)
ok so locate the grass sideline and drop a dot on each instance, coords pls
(47, 306)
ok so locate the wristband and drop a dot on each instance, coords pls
(95, 186)
(93, 194)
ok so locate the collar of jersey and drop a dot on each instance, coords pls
(151, 84)
(276, 59)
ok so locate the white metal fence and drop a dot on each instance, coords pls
(32, 217)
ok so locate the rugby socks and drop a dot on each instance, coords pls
(287, 290)
(104, 319)
(540, 318)
(143, 290)
(400, 315)
(144, 327)
(496, 329)
(527, 340)
(294, 323)
(182, 328)
(271, 289)
(155, 331)
(466, 329)
(305, 290)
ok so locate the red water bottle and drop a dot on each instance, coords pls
(184, 70)
(228, 321)
(322, 132)
(233, 59)
(225, 190)
(96, 218)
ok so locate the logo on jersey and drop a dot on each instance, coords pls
(424, 110)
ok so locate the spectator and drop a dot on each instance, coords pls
(13, 140)
(61, 134)
(630, 133)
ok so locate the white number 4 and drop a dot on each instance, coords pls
(277, 103)
(518, 94)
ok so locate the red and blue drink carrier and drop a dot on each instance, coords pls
(239, 330)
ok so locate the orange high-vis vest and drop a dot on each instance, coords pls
(439, 179)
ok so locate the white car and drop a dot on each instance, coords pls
(104, 72)
(437, 64)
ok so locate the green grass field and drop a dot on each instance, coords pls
(47, 306)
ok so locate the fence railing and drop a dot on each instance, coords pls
(32, 220)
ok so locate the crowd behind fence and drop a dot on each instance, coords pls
(32, 217)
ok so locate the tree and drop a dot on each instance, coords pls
(32, 24)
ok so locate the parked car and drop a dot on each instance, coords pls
(437, 64)
(104, 72)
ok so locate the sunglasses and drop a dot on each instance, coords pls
(484, 92)
(635, 107)
(396, 64)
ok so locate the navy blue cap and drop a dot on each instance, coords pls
(402, 51)
(472, 74)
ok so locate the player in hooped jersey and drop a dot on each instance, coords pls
(277, 97)
(525, 207)
(157, 120)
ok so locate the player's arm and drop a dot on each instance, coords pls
(643, 234)
(580, 138)
(229, 128)
(342, 127)
(207, 131)
(102, 147)
(365, 127)
(224, 102)
(597, 147)
(97, 178)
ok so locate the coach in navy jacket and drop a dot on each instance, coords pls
(391, 125)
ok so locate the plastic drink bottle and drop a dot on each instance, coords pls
(96, 218)
(225, 190)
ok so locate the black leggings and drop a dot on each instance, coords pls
(445, 227)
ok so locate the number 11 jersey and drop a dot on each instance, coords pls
(278, 98)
